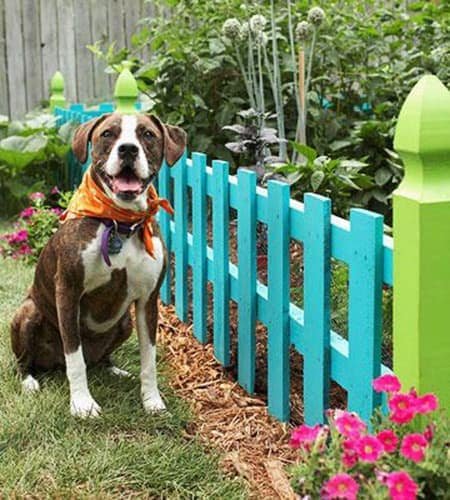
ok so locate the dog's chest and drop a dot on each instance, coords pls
(109, 290)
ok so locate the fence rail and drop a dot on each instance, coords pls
(358, 242)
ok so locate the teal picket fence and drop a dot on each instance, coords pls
(360, 243)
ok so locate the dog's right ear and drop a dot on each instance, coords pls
(82, 137)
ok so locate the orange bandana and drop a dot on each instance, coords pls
(90, 201)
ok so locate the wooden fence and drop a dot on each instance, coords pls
(38, 37)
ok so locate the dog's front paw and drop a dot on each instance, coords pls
(153, 403)
(119, 373)
(30, 384)
(84, 406)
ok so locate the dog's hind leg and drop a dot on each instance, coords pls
(26, 322)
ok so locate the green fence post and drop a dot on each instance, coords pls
(57, 91)
(422, 242)
(126, 91)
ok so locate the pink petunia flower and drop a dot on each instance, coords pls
(413, 447)
(428, 433)
(388, 439)
(17, 237)
(350, 456)
(401, 486)
(56, 210)
(36, 196)
(426, 403)
(369, 449)
(403, 408)
(26, 213)
(349, 424)
(304, 436)
(25, 250)
(55, 190)
(386, 383)
(341, 486)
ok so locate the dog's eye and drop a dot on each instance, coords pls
(106, 133)
(148, 135)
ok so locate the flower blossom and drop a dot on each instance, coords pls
(369, 449)
(413, 447)
(26, 213)
(403, 408)
(426, 403)
(349, 424)
(316, 16)
(350, 456)
(340, 486)
(17, 237)
(401, 486)
(304, 436)
(36, 196)
(388, 439)
(386, 383)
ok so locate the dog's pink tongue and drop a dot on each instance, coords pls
(126, 184)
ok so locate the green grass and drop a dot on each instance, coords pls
(46, 453)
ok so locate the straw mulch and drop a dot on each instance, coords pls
(254, 445)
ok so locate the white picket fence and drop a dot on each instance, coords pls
(37, 37)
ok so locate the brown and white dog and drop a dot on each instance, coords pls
(77, 311)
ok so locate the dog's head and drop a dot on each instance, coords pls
(127, 153)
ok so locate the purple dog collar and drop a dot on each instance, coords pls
(119, 228)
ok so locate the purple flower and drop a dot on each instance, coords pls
(56, 210)
(26, 213)
(55, 190)
(17, 237)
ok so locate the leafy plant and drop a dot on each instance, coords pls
(402, 456)
(338, 179)
(32, 157)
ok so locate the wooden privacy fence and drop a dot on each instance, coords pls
(359, 243)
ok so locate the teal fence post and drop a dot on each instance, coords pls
(199, 243)
(180, 238)
(365, 310)
(422, 242)
(221, 286)
(57, 98)
(278, 300)
(164, 224)
(126, 91)
(246, 278)
(316, 283)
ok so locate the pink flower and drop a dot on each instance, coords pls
(26, 213)
(386, 383)
(413, 447)
(304, 436)
(401, 486)
(56, 210)
(350, 456)
(369, 449)
(429, 432)
(349, 424)
(426, 403)
(55, 190)
(17, 237)
(36, 196)
(340, 486)
(388, 439)
(25, 250)
(403, 408)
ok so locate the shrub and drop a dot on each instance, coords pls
(34, 226)
(403, 456)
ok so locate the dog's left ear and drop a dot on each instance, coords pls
(82, 137)
(174, 140)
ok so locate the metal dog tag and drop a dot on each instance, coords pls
(114, 241)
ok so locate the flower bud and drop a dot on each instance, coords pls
(316, 16)
(232, 29)
(257, 23)
(302, 31)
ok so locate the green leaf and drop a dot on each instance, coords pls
(356, 164)
(316, 180)
(382, 176)
(309, 153)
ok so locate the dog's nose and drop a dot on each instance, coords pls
(128, 149)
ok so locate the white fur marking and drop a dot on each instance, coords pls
(127, 136)
(151, 398)
(30, 384)
(118, 372)
(143, 272)
(82, 404)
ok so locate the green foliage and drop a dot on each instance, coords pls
(338, 179)
(32, 157)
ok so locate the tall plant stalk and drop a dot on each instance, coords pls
(248, 84)
(277, 81)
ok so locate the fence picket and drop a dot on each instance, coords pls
(180, 239)
(221, 288)
(246, 278)
(199, 291)
(365, 311)
(164, 225)
(278, 299)
(316, 282)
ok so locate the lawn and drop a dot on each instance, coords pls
(44, 452)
